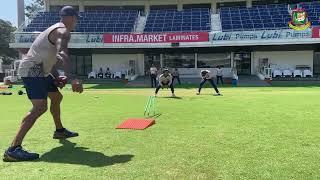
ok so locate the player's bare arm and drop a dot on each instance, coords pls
(61, 38)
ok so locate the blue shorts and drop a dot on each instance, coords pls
(39, 87)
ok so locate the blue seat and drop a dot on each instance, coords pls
(186, 28)
(120, 25)
(195, 28)
(99, 30)
(236, 22)
(245, 15)
(157, 29)
(176, 28)
(158, 25)
(257, 21)
(277, 20)
(186, 24)
(108, 29)
(148, 30)
(258, 26)
(167, 29)
(268, 26)
(315, 23)
(280, 25)
(226, 27)
(127, 29)
(197, 23)
(81, 29)
(248, 26)
(236, 26)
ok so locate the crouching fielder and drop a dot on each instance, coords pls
(165, 80)
(206, 76)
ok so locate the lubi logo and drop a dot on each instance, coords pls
(299, 20)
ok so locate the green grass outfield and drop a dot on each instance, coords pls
(249, 133)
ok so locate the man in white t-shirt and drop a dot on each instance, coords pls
(153, 75)
(176, 75)
(219, 75)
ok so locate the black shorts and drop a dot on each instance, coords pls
(39, 87)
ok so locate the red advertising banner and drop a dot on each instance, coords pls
(157, 37)
(316, 32)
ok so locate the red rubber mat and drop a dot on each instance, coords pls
(135, 123)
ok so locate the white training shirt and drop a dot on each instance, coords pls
(153, 70)
(207, 76)
(41, 56)
(165, 79)
(219, 72)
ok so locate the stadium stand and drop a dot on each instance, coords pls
(263, 17)
(172, 20)
(259, 17)
(91, 21)
(313, 10)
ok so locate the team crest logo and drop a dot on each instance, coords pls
(299, 20)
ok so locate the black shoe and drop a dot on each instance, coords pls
(64, 134)
(19, 155)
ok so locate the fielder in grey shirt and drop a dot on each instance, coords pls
(165, 80)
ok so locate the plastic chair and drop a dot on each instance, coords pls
(287, 73)
(277, 73)
(297, 73)
(307, 73)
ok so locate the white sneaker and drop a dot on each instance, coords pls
(155, 95)
(173, 95)
(198, 93)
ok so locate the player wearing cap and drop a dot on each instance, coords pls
(165, 80)
(206, 76)
(41, 77)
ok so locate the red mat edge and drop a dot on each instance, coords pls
(153, 121)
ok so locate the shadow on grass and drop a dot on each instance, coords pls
(104, 86)
(154, 116)
(170, 97)
(68, 153)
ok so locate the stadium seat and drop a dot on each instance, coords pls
(307, 73)
(277, 73)
(287, 73)
(297, 73)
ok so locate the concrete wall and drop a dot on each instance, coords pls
(283, 59)
(117, 62)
